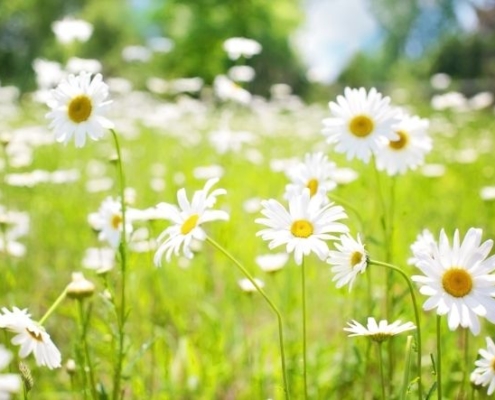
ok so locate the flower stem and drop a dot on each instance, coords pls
(407, 368)
(270, 303)
(53, 307)
(380, 364)
(123, 268)
(84, 325)
(416, 316)
(439, 359)
(303, 316)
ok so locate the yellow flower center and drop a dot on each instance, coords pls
(401, 142)
(492, 364)
(301, 228)
(356, 258)
(80, 108)
(116, 221)
(189, 224)
(35, 335)
(312, 186)
(361, 126)
(457, 282)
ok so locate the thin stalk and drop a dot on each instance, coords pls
(380, 364)
(123, 268)
(407, 368)
(55, 304)
(465, 343)
(439, 359)
(416, 316)
(270, 303)
(84, 342)
(303, 317)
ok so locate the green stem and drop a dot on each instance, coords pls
(270, 303)
(407, 368)
(439, 359)
(90, 371)
(416, 316)
(349, 206)
(123, 265)
(380, 364)
(55, 304)
(303, 316)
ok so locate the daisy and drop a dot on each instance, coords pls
(304, 227)
(77, 106)
(408, 150)
(9, 383)
(101, 260)
(484, 373)
(272, 262)
(350, 260)
(187, 220)
(380, 331)
(359, 123)
(315, 173)
(458, 279)
(424, 243)
(31, 337)
(236, 47)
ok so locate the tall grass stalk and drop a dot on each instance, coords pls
(439, 358)
(407, 368)
(380, 364)
(303, 317)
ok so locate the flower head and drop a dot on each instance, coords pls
(304, 227)
(187, 220)
(458, 279)
(350, 260)
(77, 107)
(315, 173)
(31, 337)
(360, 122)
(484, 373)
(240, 46)
(378, 332)
(424, 243)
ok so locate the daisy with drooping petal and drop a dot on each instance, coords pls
(350, 260)
(9, 383)
(484, 373)
(315, 173)
(360, 122)
(409, 150)
(458, 279)
(77, 107)
(187, 219)
(380, 331)
(304, 227)
(424, 243)
(31, 337)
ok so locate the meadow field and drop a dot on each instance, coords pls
(188, 330)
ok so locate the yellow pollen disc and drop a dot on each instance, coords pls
(189, 224)
(80, 108)
(401, 142)
(312, 186)
(35, 335)
(116, 221)
(301, 228)
(356, 258)
(492, 364)
(361, 126)
(457, 282)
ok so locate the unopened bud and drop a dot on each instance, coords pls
(80, 287)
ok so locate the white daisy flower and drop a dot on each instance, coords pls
(315, 173)
(31, 337)
(99, 259)
(425, 242)
(77, 107)
(380, 331)
(409, 150)
(108, 221)
(458, 279)
(360, 122)
(350, 260)
(484, 373)
(247, 286)
(304, 227)
(9, 383)
(187, 219)
(272, 262)
(241, 46)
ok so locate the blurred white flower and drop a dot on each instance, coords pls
(99, 259)
(9, 383)
(136, 54)
(76, 65)
(272, 262)
(226, 89)
(440, 81)
(484, 373)
(69, 29)
(240, 46)
(48, 73)
(241, 73)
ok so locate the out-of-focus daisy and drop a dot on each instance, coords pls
(187, 220)
(409, 150)
(348, 261)
(380, 331)
(315, 173)
(487, 193)
(240, 46)
(13, 225)
(9, 383)
(484, 373)
(247, 286)
(304, 227)
(100, 260)
(69, 29)
(78, 104)
(31, 337)
(225, 140)
(76, 65)
(108, 221)
(425, 242)
(226, 89)
(272, 262)
(241, 73)
(433, 170)
(360, 122)
(458, 279)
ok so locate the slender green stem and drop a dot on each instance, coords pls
(439, 358)
(270, 303)
(303, 316)
(84, 328)
(416, 316)
(407, 368)
(465, 380)
(123, 267)
(55, 304)
(380, 364)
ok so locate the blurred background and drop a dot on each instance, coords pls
(310, 45)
